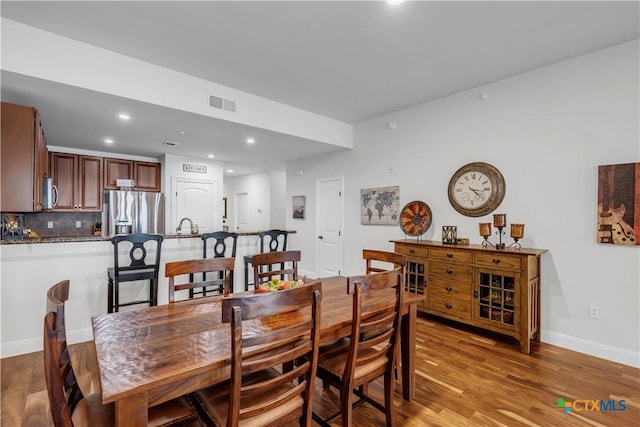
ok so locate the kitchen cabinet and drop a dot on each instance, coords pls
(145, 174)
(79, 182)
(24, 159)
(497, 290)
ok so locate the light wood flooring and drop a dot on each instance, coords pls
(465, 377)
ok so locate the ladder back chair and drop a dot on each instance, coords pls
(369, 353)
(220, 270)
(259, 392)
(218, 244)
(270, 241)
(284, 265)
(137, 268)
(69, 406)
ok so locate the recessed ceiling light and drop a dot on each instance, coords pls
(250, 140)
(108, 141)
(230, 170)
(181, 132)
(395, 2)
(211, 156)
(124, 116)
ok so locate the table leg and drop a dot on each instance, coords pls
(408, 352)
(132, 411)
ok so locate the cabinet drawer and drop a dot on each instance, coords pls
(411, 250)
(448, 290)
(498, 260)
(447, 254)
(450, 306)
(450, 271)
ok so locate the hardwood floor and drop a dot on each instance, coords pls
(465, 377)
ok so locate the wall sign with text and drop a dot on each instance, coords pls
(194, 168)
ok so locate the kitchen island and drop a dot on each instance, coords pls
(30, 266)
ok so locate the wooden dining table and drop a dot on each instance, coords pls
(150, 355)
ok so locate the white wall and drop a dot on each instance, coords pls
(547, 131)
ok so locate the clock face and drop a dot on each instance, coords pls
(476, 189)
(472, 190)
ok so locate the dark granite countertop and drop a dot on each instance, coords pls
(35, 240)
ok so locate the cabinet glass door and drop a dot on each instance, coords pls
(416, 277)
(496, 296)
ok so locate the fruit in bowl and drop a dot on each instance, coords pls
(275, 285)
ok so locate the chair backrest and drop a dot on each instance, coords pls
(273, 240)
(377, 303)
(221, 269)
(270, 264)
(295, 338)
(62, 385)
(137, 267)
(375, 258)
(220, 242)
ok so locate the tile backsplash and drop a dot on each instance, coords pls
(64, 223)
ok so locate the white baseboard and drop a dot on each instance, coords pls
(603, 351)
(31, 345)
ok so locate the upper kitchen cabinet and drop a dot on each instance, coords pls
(24, 159)
(145, 174)
(79, 182)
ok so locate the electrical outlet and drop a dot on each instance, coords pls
(78, 224)
(594, 312)
(49, 224)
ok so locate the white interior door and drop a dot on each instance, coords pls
(242, 212)
(329, 227)
(196, 200)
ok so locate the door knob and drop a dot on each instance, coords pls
(320, 237)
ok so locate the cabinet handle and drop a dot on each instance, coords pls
(449, 255)
(449, 288)
(496, 261)
(475, 294)
(411, 251)
(449, 306)
(449, 271)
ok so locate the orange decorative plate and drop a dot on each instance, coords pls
(415, 218)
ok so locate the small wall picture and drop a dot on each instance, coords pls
(298, 207)
(619, 204)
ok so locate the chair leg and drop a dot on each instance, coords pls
(246, 276)
(116, 296)
(110, 296)
(153, 292)
(388, 399)
(345, 403)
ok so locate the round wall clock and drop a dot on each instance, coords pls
(476, 189)
(415, 218)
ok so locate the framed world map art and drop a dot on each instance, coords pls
(619, 204)
(380, 206)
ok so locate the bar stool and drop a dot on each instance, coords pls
(137, 268)
(274, 240)
(223, 244)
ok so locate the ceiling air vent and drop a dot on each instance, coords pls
(170, 144)
(222, 104)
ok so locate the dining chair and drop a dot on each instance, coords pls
(69, 406)
(259, 392)
(270, 241)
(135, 268)
(369, 352)
(268, 265)
(218, 244)
(219, 270)
(378, 261)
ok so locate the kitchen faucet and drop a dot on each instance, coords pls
(179, 229)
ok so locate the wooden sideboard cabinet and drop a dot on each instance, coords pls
(24, 159)
(497, 290)
(79, 182)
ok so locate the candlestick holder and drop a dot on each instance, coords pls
(500, 222)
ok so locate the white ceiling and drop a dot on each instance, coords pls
(351, 61)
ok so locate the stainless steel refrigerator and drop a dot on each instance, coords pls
(126, 212)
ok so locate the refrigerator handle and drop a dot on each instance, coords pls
(55, 196)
